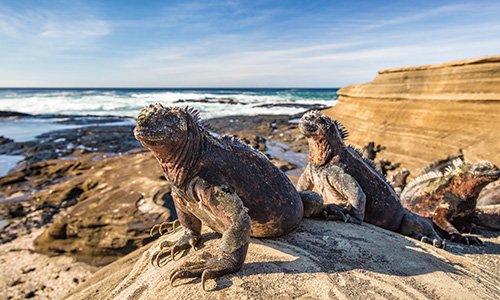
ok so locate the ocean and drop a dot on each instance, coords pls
(210, 102)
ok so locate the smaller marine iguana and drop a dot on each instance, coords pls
(370, 151)
(222, 183)
(398, 180)
(449, 197)
(341, 176)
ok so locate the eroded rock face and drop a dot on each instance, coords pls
(33, 194)
(422, 113)
(319, 260)
(101, 207)
(115, 216)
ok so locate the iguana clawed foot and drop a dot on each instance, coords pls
(169, 226)
(468, 240)
(434, 241)
(336, 212)
(207, 266)
(187, 241)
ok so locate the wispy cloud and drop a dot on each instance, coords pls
(425, 14)
(237, 43)
(80, 29)
(47, 27)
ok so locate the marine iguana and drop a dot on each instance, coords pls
(222, 183)
(441, 165)
(370, 151)
(341, 176)
(449, 197)
(399, 180)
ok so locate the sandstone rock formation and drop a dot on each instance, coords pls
(424, 113)
(319, 260)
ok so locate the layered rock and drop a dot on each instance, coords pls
(319, 260)
(423, 113)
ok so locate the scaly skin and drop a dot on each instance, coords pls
(222, 183)
(449, 197)
(342, 177)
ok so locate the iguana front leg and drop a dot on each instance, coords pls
(348, 188)
(440, 218)
(234, 242)
(305, 182)
(192, 231)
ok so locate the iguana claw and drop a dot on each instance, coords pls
(468, 240)
(185, 242)
(210, 266)
(174, 226)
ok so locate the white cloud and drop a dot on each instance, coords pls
(79, 29)
(47, 30)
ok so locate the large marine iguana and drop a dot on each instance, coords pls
(449, 197)
(222, 183)
(341, 176)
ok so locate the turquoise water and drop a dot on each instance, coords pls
(8, 162)
(126, 102)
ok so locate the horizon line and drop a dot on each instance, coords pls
(205, 88)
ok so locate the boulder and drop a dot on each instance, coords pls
(319, 260)
(422, 113)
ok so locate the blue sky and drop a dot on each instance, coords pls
(234, 43)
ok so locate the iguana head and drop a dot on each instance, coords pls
(469, 179)
(174, 135)
(159, 125)
(315, 124)
(485, 172)
(325, 136)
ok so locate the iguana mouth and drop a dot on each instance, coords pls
(492, 174)
(487, 170)
(147, 135)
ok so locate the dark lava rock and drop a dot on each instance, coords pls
(13, 114)
(61, 143)
(211, 100)
(257, 142)
(293, 105)
(4, 140)
(88, 119)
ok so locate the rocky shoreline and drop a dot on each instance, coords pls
(81, 191)
(85, 196)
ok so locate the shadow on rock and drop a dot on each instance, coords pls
(318, 260)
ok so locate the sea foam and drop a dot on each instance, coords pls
(126, 102)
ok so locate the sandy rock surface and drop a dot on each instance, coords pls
(320, 260)
(26, 274)
(421, 114)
